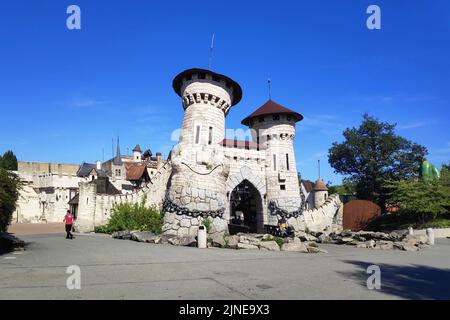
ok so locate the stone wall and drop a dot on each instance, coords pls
(95, 209)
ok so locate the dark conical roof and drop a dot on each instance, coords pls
(117, 159)
(272, 108)
(137, 148)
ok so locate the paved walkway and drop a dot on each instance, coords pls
(22, 229)
(121, 269)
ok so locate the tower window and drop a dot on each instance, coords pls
(274, 162)
(210, 138)
(118, 172)
(289, 118)
(276, 117)
(197, 135)
(261, 119)
(287, 161)
(282, 187)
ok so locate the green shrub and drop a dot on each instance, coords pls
(207, 223)
(278, 240)
(127, 216)
(10, 185)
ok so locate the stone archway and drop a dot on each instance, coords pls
(256, 186)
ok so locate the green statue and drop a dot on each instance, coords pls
(429, 172)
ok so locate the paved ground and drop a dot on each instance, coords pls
(118, 269)
(21, 229)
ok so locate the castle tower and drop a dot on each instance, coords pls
(199, 168)
(137, 153)
(118, 167)
(320, 193)
(274, 126)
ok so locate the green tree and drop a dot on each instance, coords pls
(8, 161)
(373, 154)
(423, 198)
(346, 188)
(9, 193)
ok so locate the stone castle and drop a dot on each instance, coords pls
(210, 177)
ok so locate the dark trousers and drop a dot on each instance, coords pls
(68, 231)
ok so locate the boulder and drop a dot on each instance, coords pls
(361, 245)
(345, 240)
(370, 244)
(315, 250)
(143, 236)
(184, 241)
(246, 239)
(218, 240)
(346, 234)
(122, 235)
(385, 245)
(246, 246)
(323, 238)
(164, 238)
(294, 247)
(269, 245)
(232, 241)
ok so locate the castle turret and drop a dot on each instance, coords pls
(274, 126)
(320, 193)
(137, 153)
(199, 168)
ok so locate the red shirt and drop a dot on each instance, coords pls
(68, 218)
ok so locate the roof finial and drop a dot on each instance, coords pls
(269, 82)
(211, 51)
(318, 161)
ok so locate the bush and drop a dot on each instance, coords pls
(126, 216)
(9, 193)
(278, 240)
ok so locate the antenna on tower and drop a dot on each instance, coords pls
(269, 83)
(318, 161)
(211, 51)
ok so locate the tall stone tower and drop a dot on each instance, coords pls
(274, 126)
(199, 169)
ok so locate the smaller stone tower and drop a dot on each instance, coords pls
(137, 153)
(320, 193)
(274, 126)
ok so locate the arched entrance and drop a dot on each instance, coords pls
(246, 207)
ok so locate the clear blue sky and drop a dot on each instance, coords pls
(65, 94)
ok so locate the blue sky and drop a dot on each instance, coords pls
(65, 94)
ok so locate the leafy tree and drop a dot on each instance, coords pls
(421, 197)
(346, 188)
(8, 161)
(373, 154)
(9, 193)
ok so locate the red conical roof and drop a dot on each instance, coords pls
(272, 108)
(320, 186)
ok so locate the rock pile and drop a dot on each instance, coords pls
(302, 242)
(370, 240)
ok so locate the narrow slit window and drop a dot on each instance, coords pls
(197, 135)
(287, 161)
(274, 162)
(210, 138)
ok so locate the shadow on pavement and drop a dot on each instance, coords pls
(406, 281)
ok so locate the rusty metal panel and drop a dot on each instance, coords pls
(358, 213)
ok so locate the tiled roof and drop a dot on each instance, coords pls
(85, 169)
(272, 108)
(320, 186)
(135, 170)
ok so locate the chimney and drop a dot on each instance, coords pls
(99, 165)
(158, 160)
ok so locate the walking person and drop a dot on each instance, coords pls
(68, 219)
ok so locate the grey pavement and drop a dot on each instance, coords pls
(121, 269)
